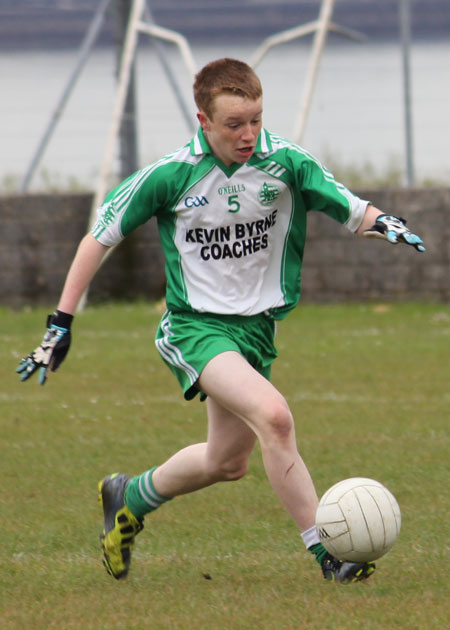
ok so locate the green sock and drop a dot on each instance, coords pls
(318, 550)
(141, 496)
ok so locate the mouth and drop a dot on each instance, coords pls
(245, 152)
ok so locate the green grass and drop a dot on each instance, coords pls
(369, 387)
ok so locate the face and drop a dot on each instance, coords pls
(234, 127)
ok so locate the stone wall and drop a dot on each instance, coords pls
(341, 267)
(39, 237)
(40, 233)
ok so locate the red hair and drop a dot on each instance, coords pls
(225, 76)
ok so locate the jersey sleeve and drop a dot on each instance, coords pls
(323, 193)
(131, 204)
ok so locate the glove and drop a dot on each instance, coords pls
(393, 229)
(52, 351)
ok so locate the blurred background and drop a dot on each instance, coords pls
(356, 121)
(372, 95)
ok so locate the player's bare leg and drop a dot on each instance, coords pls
(242, 406)
(235, 386)
(224, 457)
(232, 384)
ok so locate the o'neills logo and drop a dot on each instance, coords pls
(229, 190)
(267, 194)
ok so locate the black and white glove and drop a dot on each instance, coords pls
(394, 230)
(52, 351)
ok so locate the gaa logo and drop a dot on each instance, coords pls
(267, 194)
(195, 202)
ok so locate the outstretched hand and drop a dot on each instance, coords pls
(394, 230)
(52, 351)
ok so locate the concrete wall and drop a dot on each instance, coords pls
(341, 267)
(40, 233)
(39, 236)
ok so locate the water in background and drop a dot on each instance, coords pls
(356, 115)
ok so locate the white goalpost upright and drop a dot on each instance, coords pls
(136, 25)
(320, 28)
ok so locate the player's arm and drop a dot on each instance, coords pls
(323, 193)
(56, 342)
(376, 224)
(87, 260)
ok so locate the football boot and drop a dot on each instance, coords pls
(335, 570)
(121, 526)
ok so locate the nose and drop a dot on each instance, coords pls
(248, 134)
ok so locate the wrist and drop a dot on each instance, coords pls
(62, 319)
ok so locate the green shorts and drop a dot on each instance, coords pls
(188, 341)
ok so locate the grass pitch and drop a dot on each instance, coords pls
(369, 388)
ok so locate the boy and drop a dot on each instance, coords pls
(231, 209)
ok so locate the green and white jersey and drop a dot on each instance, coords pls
(233, 237)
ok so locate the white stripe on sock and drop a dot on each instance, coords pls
(310, 537)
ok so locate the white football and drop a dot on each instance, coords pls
(358, 520)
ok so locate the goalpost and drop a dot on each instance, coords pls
(136, 25)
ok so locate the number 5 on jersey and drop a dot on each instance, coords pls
(233, 203)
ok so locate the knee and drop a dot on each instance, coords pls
(229, 470)
(278, 422)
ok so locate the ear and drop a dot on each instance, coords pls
(203, 120)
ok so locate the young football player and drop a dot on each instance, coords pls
(231, 207)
